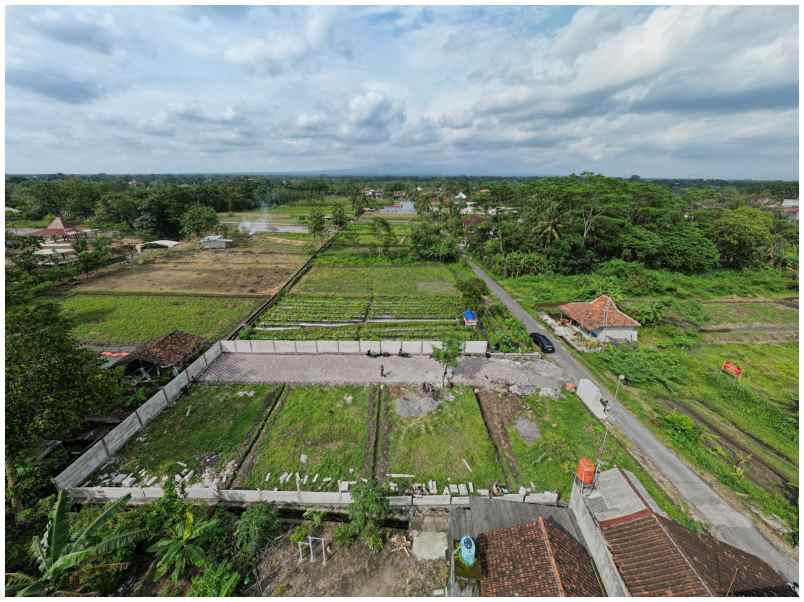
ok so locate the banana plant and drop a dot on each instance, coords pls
(60, 557)
(181, 548)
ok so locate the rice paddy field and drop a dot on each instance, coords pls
(320, 433)
(289, 213)
(131, 319)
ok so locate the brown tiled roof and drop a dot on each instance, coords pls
(172, 349)
(600, 313)
(56, 228)
(656, 556)
(535, 559)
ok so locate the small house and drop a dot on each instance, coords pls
(57, 230)
(215, 241)
(172, 351)
(790, 208)
(601, 320)
(157, 244)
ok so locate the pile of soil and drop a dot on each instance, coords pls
(411, 405)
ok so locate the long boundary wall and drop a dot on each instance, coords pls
(354, 347)
(115, 439)
(206, 495)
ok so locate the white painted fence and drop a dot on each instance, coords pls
(355, 347)
(115, 439)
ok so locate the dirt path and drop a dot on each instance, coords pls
(500, 410)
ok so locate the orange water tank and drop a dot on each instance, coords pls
(585, 471)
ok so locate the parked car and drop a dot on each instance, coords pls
(545, 344)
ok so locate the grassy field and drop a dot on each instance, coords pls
(327, 424)
(568, 433)
(127, 319)
(744, 433)
(206, 428)
(289, 213)
(434, 445)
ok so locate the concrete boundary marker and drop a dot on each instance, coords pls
(392, 346)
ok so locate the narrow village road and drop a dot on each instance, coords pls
(728, 523)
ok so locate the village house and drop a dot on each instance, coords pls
(790, 208)
(169, 352)
(57, 230)
(215, 241)
(601, 320)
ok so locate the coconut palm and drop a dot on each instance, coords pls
(181, 548)
(59, 556)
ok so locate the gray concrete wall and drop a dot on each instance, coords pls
(321, 347)
(596, 544)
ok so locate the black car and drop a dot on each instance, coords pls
(545, 344)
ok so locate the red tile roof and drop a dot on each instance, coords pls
(535, 559)
(656, 556)
(56, 228)
(172, 349)
(597, 314)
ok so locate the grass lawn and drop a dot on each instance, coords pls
(434, 445)
(126, 319)
(324, 424)
(751, 313)
(414, 280)
(568, 433)
(214, 433)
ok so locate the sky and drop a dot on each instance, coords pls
(700, 92)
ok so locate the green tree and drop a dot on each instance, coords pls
(181, 548)
(58, 555)
(51, 383)
(368, 510)
(198, 220)
(316, 222)
(743, 236)
(472, 292)
(448, 354)
(339, 216)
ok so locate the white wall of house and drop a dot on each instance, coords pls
(617, 334)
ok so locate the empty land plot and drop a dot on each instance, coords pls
(564, 432)
(201, 272)
(751, 315)
(206, 432)
(431, 439)
(289, 243)
(314, 431)
(128, 319)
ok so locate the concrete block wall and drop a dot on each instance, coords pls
(590, 395)
(596, 544)
(385, 346)
(115, 439)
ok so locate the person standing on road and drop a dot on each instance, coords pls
(382, 371)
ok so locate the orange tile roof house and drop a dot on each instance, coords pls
(639, 551)
(536, 559)
(601, 320)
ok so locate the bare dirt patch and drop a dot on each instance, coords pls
(350, 571)
(201, 272)
(412, 405)
(499, 411)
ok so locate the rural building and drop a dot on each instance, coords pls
(55, 253)
(790, 208)
(157, 244)
(172, 351)
(639, 551)
(601, 320)
(57, 230)
(469, 318)
(215, 241)
(407, 207)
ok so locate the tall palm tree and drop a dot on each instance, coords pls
(58, 556)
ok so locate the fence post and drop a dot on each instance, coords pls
(105, 447)
(142, 424)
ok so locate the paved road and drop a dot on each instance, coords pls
(729, 524)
